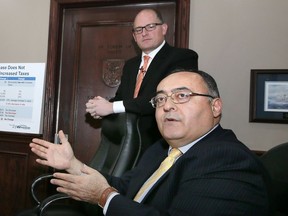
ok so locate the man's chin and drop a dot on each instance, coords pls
(171, 136)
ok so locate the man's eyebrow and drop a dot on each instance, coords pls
(173, 90)
(160, 92)
(180, 89)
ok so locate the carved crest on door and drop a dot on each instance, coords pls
(112, 71)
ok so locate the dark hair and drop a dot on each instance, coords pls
(208, 79)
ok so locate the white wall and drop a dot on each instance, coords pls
(24, 26)
(231, 37)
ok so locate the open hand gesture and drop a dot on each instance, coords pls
(58, 156)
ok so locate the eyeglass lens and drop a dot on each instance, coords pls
(149, 27)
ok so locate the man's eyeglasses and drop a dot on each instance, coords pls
(178, 97)
(149, 27)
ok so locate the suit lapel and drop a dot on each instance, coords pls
(188, 155)
(134, 72)
(145, 174)
(160, 180)
(155, 66)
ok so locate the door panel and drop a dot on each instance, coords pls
(96, 43)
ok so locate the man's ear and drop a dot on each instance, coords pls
(134, 37)
(164, 28)
(216, 106)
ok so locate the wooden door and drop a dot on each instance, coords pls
(95, 42)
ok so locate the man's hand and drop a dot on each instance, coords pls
(99, 107)
(58, 156)
(87, 187)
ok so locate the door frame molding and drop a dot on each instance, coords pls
(57, 7)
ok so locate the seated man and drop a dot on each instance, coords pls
(213, 173)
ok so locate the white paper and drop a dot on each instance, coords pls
(21, 97)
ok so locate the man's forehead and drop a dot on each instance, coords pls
(188, 80)
(181, 77)
(145, 16)
(177, 89)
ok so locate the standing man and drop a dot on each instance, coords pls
(149, 32)
(210, 171)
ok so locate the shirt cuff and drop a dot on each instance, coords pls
(118, 107)
(113, 194)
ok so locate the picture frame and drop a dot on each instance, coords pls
(269, 96)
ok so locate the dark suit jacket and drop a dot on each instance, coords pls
(167, 59)
(216, 176)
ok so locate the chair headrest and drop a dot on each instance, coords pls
(115, 126)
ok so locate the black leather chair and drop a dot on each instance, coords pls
(119, 151)
(276, 162)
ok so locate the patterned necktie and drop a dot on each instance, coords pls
(141, 75)
(164, 166)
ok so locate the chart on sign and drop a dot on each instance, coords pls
(21, 93)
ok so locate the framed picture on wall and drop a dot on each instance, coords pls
(269, 96)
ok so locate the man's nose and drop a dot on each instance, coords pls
(144, 31)
(169, 104)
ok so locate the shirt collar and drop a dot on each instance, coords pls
(185, 148)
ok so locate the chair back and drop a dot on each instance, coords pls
(120, 146)
(276, 162)
(119, 150)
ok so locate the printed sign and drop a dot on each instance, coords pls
(21, 97)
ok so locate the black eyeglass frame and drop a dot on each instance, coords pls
(190, 94)
(139, 29)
